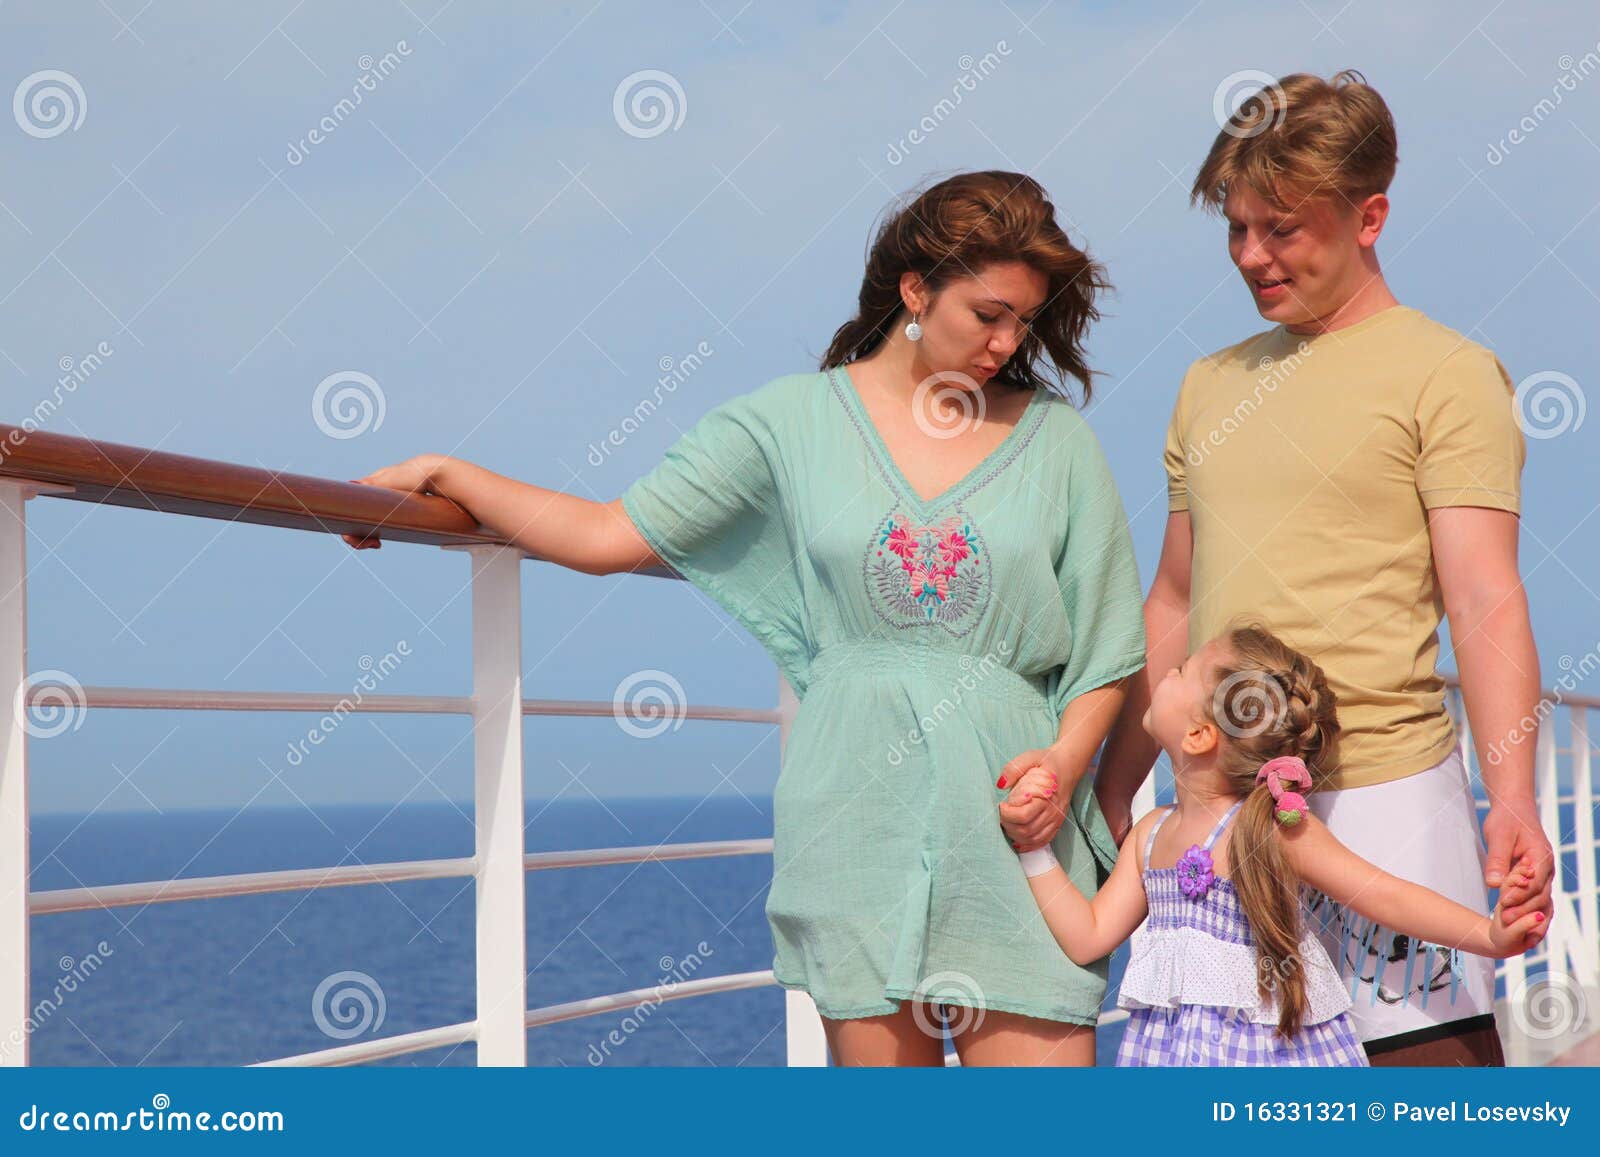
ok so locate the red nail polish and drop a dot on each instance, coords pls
(1001, 782)
(1539, 919)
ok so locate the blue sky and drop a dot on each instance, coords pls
(482, 238)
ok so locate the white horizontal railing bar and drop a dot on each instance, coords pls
(575, 1009)
(152, 698)
(298, 879)
(245, 884)
(592, 857)
(602, 708)
(380, 1049)
(733, 982)
(161, 699)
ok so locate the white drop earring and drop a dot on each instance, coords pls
(913, 330)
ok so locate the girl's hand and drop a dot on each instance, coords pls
(1037, 782)
(413, 476)
(1031, 823)
(1518, 937)
(1521, 894)
(1513, 931)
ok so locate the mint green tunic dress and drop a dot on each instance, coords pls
(929, 643)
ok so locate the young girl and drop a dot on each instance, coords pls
(1226, 972)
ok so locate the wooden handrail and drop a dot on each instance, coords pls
(177, 484)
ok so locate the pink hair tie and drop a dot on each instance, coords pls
(1290, 769)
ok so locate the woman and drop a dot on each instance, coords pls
(928, 541)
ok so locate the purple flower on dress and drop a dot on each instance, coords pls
(1194, 872)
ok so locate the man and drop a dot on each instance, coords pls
(1349, 476)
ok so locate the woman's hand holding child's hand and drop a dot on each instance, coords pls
(1030, 799)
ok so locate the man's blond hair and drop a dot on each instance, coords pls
(1303, 138)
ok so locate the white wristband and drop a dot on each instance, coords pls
(1037, 862)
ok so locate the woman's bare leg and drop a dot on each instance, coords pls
(1006, 1038)
(911, 1036)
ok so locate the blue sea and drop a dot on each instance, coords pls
(233, 981)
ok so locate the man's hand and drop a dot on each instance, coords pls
(1513, 834)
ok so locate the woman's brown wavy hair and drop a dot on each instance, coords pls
(953, 230)
(1267, 700)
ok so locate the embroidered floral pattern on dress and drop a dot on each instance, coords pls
(921, 573)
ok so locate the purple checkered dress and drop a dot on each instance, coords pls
(1191, 992)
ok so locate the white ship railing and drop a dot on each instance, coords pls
(34, 464)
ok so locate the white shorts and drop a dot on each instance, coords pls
(1422, 828)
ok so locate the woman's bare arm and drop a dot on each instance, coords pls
(579, 533)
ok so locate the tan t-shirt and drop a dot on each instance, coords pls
(1308, 465)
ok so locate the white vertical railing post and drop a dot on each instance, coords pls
(13, 775)
(1583, 805)
(502, 1001)
(806, 1044)
(1547, 780)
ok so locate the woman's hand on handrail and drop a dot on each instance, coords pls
(581, 534)
(413, 476)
